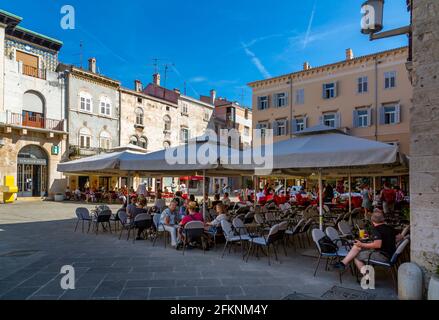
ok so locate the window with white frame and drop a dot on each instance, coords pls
(329, 90)
(300, 96)
(280, 127)
(362, 120)
(105, 140)
(166, 145)
(330, 120)
(134, 140)
(280, 100)
(263, 126)
(143, 142)
(390, 79)
(84, 138)
(139, 116)
(247, 131)
(105, 106)
(263, 103)
(390, 114)
(168, 123)
(184, 108)
(184, 134)
(363, 85)
(300, 124)
(206, 116)
(85, 103)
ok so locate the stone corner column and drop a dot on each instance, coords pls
(424, 161)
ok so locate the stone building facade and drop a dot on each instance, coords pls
(156, 118)
(33, 129)
(93, 118)
(424, 161)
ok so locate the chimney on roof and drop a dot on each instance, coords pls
(212, 96)
(306, 65)
(176, 90)
(156, 79)
(92, 65)
(349, 54)
(138, 85)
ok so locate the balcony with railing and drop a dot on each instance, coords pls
(76, 151)
(32, 120)
(33, 72)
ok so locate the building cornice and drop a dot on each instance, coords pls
(94, 77)
(329, 67)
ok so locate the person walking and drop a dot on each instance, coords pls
(367, 200)
(388, 196)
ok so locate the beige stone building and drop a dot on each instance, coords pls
(231, 115)
(156, 118)
(32, 110)
(368, 96)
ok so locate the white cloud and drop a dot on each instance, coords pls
(308, 30)
(257, 62)
(198, 79)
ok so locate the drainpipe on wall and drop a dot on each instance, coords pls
(291, 107)
(377, 120)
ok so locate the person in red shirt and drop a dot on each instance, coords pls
(192, 216)
(388, 196)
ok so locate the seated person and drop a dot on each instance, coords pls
(140, 209)
(77, 194)
(216, 200)
(193, 215)
(131, 209)
(183, 211)
(226, 200)
(160, 203)
(179, 198)
(381, 249)
(207, 201)
(169, 220)
(68, 193)
(221, 214)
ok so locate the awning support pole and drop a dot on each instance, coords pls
(350, 190)
(321, 199)
(204, 192)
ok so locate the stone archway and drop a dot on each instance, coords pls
(32, 171)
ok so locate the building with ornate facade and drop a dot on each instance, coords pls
(33, 129)
(93, 118)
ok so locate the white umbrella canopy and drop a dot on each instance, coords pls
(326, 150)
(196, 156)
(109, 162)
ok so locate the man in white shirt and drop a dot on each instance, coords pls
(260, 195)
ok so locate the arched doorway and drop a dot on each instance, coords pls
(32, 173)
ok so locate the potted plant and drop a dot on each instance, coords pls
(433, 288)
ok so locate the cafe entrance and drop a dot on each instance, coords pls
(32, 174)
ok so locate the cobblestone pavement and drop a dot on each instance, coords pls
(37, 239)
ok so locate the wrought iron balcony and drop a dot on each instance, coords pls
(32, 120)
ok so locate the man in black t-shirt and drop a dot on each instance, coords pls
(382, 247)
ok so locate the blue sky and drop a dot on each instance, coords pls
(212, 44)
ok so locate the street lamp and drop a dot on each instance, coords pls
(372, 20)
